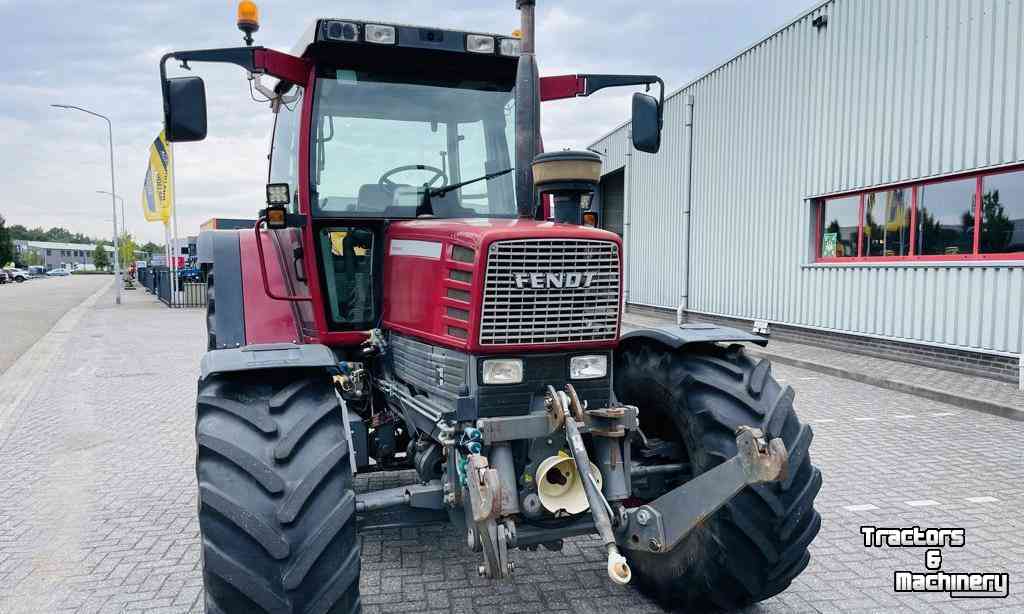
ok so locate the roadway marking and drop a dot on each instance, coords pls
(944, 413)
(823, 420)
(866, 507)
(904, 416)
(865, 419)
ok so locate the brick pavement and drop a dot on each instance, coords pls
(98, 505)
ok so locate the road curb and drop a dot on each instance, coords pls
(22, 377)
(971, 403)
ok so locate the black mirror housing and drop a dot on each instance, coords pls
(646, 123)
(185, 109)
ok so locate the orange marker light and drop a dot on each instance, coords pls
(248, 18)
(589, 218)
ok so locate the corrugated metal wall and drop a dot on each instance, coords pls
(888, 91)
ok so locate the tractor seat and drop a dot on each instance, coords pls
(374, 197)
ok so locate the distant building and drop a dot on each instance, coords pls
(224, 223)
(58, 255)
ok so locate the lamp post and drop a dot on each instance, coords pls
(124, 220)
(113, 191)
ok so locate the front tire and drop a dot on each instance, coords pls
(276, 505)
(757, 543)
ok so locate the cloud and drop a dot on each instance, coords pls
(103, 55)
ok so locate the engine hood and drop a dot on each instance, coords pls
(562, 291)
(475, 232)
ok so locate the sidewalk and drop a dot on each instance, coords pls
(976, 393)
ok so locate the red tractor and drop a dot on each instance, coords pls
(425, 292)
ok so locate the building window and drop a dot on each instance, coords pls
(945, 218)
(1002, 213)
(887, 223)
(927, 220)
(841, 222)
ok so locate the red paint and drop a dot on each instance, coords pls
(977, 216)
(415, 286)
(561, 86)
(320, 330)
(820, 228)
(913, 221)
(266, 320)
(860, 228)
(282, 65)
(914, 257)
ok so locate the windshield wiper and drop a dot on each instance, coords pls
(426, 208)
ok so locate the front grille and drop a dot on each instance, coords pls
(514, 315)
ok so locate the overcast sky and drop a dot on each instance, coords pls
(103, 55)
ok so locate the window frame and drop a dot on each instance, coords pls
(818, 211)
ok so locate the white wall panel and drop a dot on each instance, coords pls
(887, 92)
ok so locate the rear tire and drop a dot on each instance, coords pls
(756, 544)
(276, 506)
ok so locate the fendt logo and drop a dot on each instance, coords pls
(544, 281)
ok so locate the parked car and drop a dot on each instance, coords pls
(189, 274)
(17, 275)
(58, 273)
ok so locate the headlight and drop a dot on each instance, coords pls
(503, 371)
(588, 367)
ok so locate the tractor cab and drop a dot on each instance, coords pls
(400, 116)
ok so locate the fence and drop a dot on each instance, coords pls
(157, 281)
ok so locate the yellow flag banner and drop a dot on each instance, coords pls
(157, 192)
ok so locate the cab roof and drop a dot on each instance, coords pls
(421, 37)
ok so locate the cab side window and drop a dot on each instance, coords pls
(284, 153)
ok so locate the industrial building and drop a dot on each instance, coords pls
(855, 179)
(53, 255)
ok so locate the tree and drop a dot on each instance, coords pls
(6, 244)
(100, 258)
(55, 234)
(126, 250)
(996, 226)
(152, 248)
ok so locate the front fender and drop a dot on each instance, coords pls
(676, 336)
(267, 356)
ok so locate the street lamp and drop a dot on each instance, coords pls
(113, 191)
(124, 220)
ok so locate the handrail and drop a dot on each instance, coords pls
(263, 269)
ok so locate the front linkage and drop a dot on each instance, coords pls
(655, 527)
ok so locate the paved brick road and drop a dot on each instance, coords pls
(97, 506)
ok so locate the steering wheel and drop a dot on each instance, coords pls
(386, 183)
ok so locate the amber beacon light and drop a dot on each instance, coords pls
(248, 19)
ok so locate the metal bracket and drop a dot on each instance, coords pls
(660, 525)
(484, 488)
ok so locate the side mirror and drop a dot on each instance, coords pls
(646, 123)
(185, 109)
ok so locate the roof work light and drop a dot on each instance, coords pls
(248, 19)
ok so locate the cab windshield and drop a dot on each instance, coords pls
(380, 140)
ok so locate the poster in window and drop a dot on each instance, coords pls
(829, 244)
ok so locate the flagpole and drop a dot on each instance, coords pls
(174, 218)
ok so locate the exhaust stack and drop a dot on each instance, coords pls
(527, 111)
